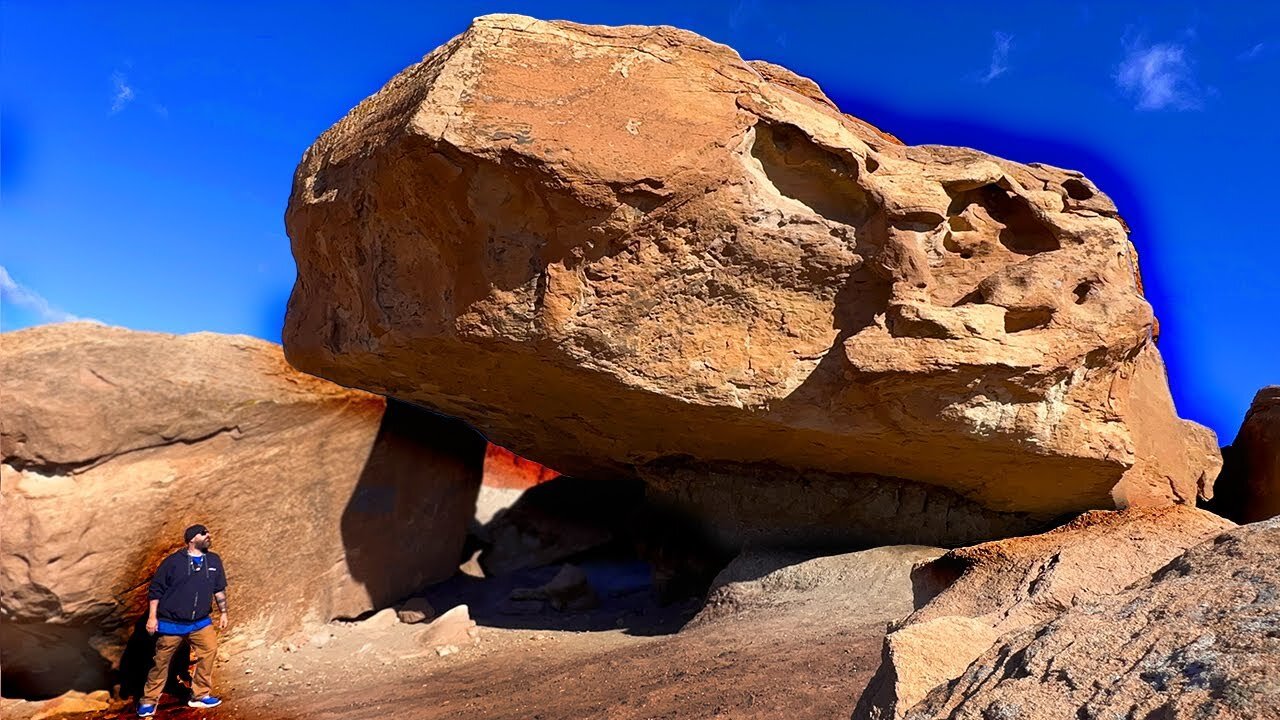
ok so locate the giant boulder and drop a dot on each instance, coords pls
(323, 502)
(625, 251)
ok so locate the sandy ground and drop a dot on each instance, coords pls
(765, 666)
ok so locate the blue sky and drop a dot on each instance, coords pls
(148, 148)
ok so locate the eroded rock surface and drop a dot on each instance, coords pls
(1199, 639)
(866, 587)
(323, 502)
(626, 251)
(972, 596)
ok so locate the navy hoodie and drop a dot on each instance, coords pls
(185, 592)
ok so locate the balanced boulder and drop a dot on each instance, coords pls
(626, 251)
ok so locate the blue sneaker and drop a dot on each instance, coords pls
(146, 710)
(207, 701)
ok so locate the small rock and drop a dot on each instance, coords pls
(384, 618)
(455, 627)
(570, 590)
(73, 702)
(444, 650)
(320, 639)
(472, 567)
(416, 610)
(286, 666)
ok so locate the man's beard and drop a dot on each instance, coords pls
(203, 545)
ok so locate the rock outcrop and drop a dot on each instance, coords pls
(626, 251)
(973, 596)
(869, 586)
(1198, 639)
(323, 502)
(1250, 479)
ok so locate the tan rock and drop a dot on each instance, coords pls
(588, 240)
(1199, 639)
(416, 610)
(1000, 587)
(454, 628)
(922, 656)
(868, 587)
(323, 502)
(72, 703)
(381, 620)
(1250, 480)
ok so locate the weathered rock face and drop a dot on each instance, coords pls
(870, 586)
(1250, 479)
(977, 594)
(628, 251)
(323, 502)
(1199, 639)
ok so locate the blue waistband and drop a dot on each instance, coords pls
(169, 627)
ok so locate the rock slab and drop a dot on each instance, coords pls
(970, 597)
(1199, 639)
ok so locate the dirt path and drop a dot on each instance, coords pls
(770, 667)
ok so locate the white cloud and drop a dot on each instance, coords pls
(1159, 77)
(1252, 52)
(12, 292)
(999, 57)
(123, 92)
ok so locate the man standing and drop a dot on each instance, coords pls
(182, 592)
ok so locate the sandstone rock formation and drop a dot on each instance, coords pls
(869, 586)
(454, 629)
(1198, 639)
(323, 502)
(1250, 478)
(977, 594)
(626, 251)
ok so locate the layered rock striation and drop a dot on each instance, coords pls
(969, 598)
(1200, 638)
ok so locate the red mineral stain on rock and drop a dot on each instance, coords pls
(505, 469)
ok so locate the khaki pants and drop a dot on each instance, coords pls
(204, 645)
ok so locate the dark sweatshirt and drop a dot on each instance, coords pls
(185, 592)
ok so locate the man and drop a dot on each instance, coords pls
(182, 591)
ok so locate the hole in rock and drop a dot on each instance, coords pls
(801, 170)
(1077, 189)
(1082, 292)
(1021, 231)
